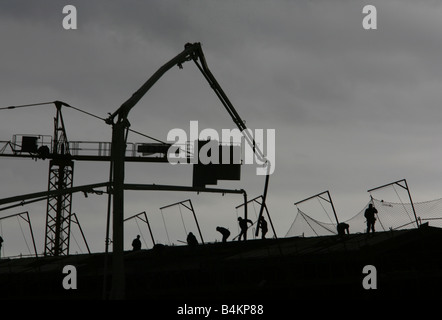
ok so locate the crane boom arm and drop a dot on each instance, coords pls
(53, 193)
(191, 52)
(125, 108)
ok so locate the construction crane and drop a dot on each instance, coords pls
(62, 158)
(62, 154)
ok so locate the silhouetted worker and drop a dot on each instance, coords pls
(136, 243)
(225, 232)
(370, 216)
(243, 226)
(1, 242)
(191, 239)
(263, 226)
(343, 228)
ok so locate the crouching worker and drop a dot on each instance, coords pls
(343, 228)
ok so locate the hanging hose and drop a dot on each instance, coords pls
(264, 196)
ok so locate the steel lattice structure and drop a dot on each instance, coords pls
(58, 215)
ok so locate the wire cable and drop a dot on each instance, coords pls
(79, 110)
(182, 219)
(402, 203)
(328, 216)
(103, 119)
(23, 235)
(164, 221)
(85, 112)
(26, 105)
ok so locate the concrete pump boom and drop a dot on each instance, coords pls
(120, 125)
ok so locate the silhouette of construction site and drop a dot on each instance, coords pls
(172, 259)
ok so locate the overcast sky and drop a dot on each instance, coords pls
(353, 109)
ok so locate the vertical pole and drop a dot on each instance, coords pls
(59, 214)
(245, 212)
(150, 230)
(198, 226)
(107, 240)
(408, 191)
(118, 152)
(56, 121)
(264, 196)
(32, 233)
(412, 205)
(60, 177)
(270, 220)
(82, 233)
(268, 214)
(333, 207)
(109, 206)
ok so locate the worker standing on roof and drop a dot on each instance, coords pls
(243, 226)
(370, 216)
(263, 226)
(136, 243)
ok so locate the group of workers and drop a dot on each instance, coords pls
(243, 225)
(370, 216)
(342, 228)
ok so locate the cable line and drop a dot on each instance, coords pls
(26, 105)
(79, 110)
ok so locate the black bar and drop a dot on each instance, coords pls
(333, 207)
(329, 201)
(147, 222)
(150, 230)
(92, 158)
(29, 223)
(196, 220)
(408, 191)
(385, 185)
(248, 202)
(81, 230)
(316, 195)
(174, 204)
(411, 201)
(52, 193)
(155, 187)
(32, 233)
